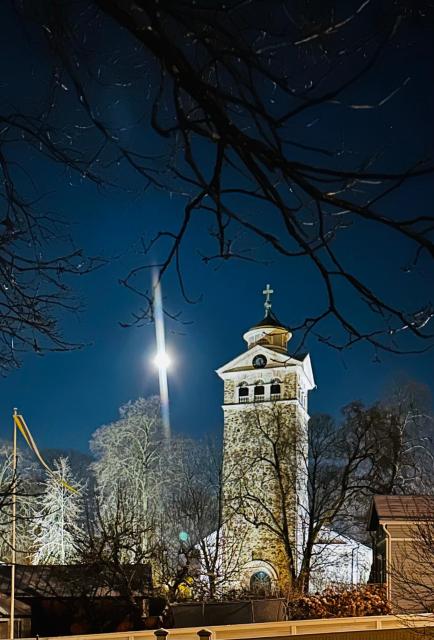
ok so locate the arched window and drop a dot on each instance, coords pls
(259, 392)
(275, 389)
(243, 392)
(260, 583)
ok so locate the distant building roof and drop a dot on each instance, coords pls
(73, 580)
(400, 507)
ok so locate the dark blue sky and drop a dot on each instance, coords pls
(65, 397)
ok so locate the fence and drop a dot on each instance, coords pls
(324, 627)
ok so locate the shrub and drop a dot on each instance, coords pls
(335, 602)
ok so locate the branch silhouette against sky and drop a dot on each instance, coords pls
(222, 100)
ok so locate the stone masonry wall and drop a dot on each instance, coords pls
(289, 386)
(229, 391)
(247, 477)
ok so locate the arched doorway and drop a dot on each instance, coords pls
(259, 577)
(260, 583)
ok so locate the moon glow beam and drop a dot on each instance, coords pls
(161, 360)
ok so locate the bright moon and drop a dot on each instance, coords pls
(162, 360)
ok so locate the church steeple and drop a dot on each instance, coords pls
(265, 397)
(269, 331)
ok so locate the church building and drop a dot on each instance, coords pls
(266, 418)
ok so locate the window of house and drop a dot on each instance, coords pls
(380, 573)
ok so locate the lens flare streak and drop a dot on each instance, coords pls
(162, 360)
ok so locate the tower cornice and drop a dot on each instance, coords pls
(250, 406)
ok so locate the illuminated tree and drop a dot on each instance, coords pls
(130, 457)
(24, 486)
(57, 517)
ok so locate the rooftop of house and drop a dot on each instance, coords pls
(45, 581)
(21, 609)
(400, 507)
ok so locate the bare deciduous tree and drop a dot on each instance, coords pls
(192, 523)
(230, 91)
(38, 259)
(112, 543)
(343, 466)
(339, 469)
(130, 455)
(404, 429)
(411, 568)
(103, 590)
(25, 487)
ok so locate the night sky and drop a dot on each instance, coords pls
(65, 397)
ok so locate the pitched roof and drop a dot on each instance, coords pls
(399, 507)
(22, 609)
(70, 580)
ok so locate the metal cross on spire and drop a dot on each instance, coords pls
(267, 303)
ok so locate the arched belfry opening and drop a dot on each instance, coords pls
(275, 389)
(243, 392)
(259, 391)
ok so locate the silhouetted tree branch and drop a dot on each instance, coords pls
(226, 89)
(35, 281)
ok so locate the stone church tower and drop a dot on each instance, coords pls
(265, 411)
